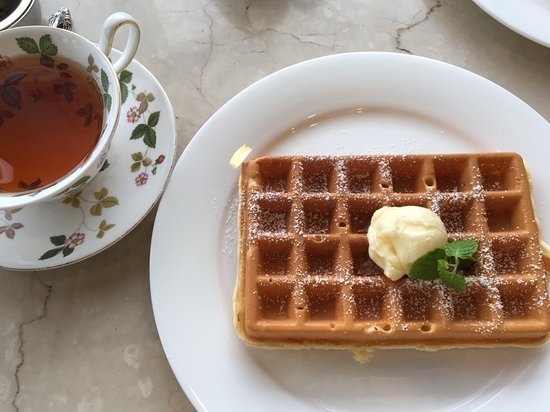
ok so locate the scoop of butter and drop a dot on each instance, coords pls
(398, 236)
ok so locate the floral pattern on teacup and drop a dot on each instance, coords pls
(100, 74)
(46, 52)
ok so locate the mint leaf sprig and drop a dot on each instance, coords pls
(447, 264)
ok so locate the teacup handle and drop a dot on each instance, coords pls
(110, 26)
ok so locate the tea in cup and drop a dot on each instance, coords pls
(59, 108)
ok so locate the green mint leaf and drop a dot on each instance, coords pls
(454, 281)
(425, 267)
(446, 264)
(28, 45)
(462, 249)
(442, 266)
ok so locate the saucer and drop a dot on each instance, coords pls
(58, 233)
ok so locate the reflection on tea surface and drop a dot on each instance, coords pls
(51, 115)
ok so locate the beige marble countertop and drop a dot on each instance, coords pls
(83, 337)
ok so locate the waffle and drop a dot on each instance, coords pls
(306, 280)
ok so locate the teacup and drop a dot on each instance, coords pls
(60, 97)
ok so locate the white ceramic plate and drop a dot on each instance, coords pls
(530, 18)
(58, 233)
(342, 104)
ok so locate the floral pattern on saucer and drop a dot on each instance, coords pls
(95, 216)
(66, 244)
(145, 130)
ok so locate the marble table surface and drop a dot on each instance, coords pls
(83, 337)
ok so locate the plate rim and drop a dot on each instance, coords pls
(511, 24)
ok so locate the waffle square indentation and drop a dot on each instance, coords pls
(471, 305)
(274, 256)
(274, 174)
(318, 214)
(317, 176)
(518, 302)
(368, 301)
(322, 301)
(499, 173)
(274, 215)
(418, 302)
(511, 256)
(406, 175)
(504, 213)
(321, 256)
(458, 215)
(360, 175)
(452, 174)
(274, 300)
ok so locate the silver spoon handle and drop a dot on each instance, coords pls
(61, 19)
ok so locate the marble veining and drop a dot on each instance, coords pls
(399, 32)
(41, 311)
(82, 338)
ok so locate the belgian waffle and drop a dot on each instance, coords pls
(306, 280)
